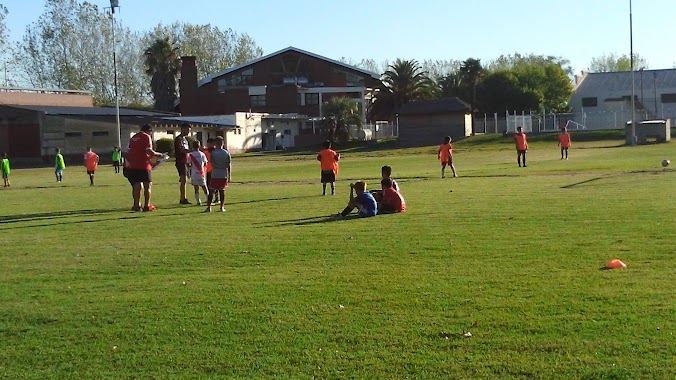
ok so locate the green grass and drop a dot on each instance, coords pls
(274, 289)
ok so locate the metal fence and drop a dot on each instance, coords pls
(550, 122)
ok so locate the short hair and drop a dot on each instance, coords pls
(89, 148)
(447, 139)
(218, 140)
(146, 128)
(210, 140)
(57, 149)
(387, 169)
(360, 185)
(327, 144)
(386, 182)
(196, 144)
(185, 126)
(4, 154)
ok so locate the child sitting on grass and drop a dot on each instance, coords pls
(364, 202)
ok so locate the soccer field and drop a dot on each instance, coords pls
(273, 288)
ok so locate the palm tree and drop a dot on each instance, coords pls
(341, 113)
(450, 85)
(471, 72)
(163, 64)
(402, 82)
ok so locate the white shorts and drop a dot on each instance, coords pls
(198, 181)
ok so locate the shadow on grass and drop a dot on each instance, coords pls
(53, 215)
(66, 222)
(321, 220)
(582, 183)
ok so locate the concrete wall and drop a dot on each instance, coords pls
(422, 130)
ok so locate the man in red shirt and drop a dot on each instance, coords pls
(521, 146)
(392, 200)
(137, 167)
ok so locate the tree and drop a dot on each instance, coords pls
(402, 82)
(70, 47)
(3, 26)
(500, 91)
(613, 62)
(341, 113)
(508, 62)
(163, 64)
(471, 72)
(214, 49)
(451, 85)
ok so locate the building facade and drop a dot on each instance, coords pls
(289, 81)
(426, 122)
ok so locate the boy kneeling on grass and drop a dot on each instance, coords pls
(364, 202)
(392, 201)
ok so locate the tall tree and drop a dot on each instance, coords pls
(613, 62)
(341, 113)
(508, 62)
(215, 49)
(163, 65)
(451, 85)
(500, 91)
(402, 82)
(471, 72)
(3, 26)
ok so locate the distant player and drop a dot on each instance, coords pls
(328, 159)
(207, 152)
(364, 202)
(117, 158)
(221, 175)
(564, 141)
(91, 162)
(182, 150)
(4, 166)
(521, 146)
(392, 201)
(445, 156)
(198, 164)
(59, 165)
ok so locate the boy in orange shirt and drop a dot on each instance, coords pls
(521, 146)
(328, 159)
(91, 162)
(445, 155)
(564, 141)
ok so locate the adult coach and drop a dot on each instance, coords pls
(137, 167)
(182, 150)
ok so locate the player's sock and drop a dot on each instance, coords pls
(197, 198)
(443, 172)
(333, 188)
(323, 189)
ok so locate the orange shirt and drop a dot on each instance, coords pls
(392, 201)
(207, 153)
(564, 140)
(328, 159)
(445, 151)
(91, 160)
(520, 140)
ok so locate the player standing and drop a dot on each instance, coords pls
(221, 174)
(91, 162)
(564, 141)
(198, 164)
(328, 159)
(5, 169)
(117, 158)
(521, 146)
(59, 165)
(137, 167)
(445, 155)
(182, 149)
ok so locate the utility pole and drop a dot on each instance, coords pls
(633, 88)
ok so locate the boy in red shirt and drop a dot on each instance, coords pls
(392, 200)
(91, 162)
(564, 141)
(328, 159)
(521, 146)
(137, 167)
(445, 155)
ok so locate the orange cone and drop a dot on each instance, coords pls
(615, 263)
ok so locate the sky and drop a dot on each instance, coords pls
(577, 30)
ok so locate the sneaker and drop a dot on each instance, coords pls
(222, 209)
(184, 202)
(136, 209)
(149, 208)
(208, 209)
(199, 202)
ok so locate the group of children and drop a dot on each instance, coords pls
(210, 171)
(521, 143)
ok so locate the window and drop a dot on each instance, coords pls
(311, 99)
(298, 98)
(668, 98)
(73, 134)
(242, 78)
(222, 84)
(589, 102)
(100, 133)
(257, 100)
(287, 131)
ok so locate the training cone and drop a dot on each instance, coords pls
(615, 263)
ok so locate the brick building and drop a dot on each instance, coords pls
(289, 81)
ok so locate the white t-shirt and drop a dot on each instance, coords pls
(198, 162)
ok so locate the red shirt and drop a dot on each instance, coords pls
(392, 201)
(564, 140)
(137, 155)
(521, 142)
(328, 159)
(445, 152)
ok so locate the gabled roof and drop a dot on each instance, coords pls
(89, 111)
(211, 77)
(612, 82)
(436, 106)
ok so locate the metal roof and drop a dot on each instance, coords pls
(90, 111)
(621, 81)
(211, 77)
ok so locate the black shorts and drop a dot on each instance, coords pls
(137, 175)
(90, 172)
(521, 151)
(328, 176)
(182, 169)
(116, 163)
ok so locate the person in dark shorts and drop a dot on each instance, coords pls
(521, 143)
(117, 159)
(328, 159)
(363, 202)
(182, 150)
(221, 174)
(137, 167)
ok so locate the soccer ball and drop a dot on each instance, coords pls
(665, 163)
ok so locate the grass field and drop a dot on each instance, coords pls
(274, 289)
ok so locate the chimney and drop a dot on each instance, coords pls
(188, 82)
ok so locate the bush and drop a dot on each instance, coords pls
(165, 145)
